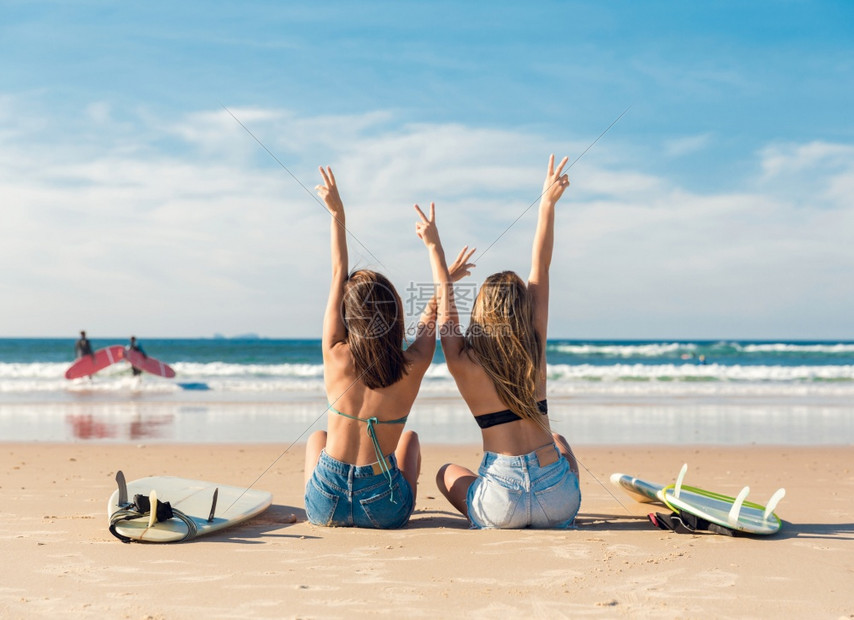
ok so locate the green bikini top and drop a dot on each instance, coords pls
(371, 422)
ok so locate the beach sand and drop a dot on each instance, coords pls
(60, 561)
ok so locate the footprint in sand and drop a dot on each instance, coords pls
(571, 552)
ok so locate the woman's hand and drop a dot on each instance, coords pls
(426, 229)
(555, 182)
(329, 192)
(461, 267)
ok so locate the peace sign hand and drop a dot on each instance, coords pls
(329, 192)
(426, 229)
(461, 267)
(555, 182)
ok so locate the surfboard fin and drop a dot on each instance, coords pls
(152, 515)
(678, 487)
(735, 511)
(213, 505)
(772, 503)
(123, 489)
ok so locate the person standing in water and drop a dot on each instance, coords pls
(83, 346)
(135, 346)
(528, 476)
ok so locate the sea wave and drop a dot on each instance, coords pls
(223, 369)
(720, 347)
(652, 349)
(782, 347)
(308, 378)
(698, 372)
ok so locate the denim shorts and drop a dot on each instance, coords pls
(515, 491)
(343, 495)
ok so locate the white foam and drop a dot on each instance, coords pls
(697, 372)
(688, 378)
(623, 350)
(839, 348)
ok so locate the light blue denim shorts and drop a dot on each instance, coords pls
(515, 492)
(343, 495)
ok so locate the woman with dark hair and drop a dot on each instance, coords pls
(364, 469)
(528, 476)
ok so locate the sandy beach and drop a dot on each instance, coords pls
(60, 560)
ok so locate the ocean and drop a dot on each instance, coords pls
(600, 392)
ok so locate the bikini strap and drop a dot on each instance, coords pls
(376, 420)
(372, 433)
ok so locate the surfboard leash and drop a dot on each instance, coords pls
(149, 506)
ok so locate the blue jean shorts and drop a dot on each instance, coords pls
(516, 491)
(343, 495)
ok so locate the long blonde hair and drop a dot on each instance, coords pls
(502, 339)
(373, 318)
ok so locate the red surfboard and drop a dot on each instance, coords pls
(90, 364)
(149, 364)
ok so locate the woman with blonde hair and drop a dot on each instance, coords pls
(528, 476)
(364, 469)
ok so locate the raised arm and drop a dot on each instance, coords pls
(541, 254)
(334, 330)
(426, 331)
(443, 278)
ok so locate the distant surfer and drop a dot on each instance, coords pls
(528, 476)
(364, 469)
(83, 346)
(135, 346)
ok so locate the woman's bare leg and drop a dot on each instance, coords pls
(454, 482)
(408, 455)
(313, 447)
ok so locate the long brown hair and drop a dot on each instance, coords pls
(502, 339)
(373, 318)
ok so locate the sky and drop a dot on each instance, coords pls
(158, 161)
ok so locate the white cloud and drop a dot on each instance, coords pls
(100, 112)
(816, 173)
(188, 228)
(677, 147)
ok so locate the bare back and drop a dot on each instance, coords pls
(478, 390)
(348, 439)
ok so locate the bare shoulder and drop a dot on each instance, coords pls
(337, 354)
(461, 363)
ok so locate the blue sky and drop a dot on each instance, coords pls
(719, 206)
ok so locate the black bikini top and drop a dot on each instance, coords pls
(503, 417)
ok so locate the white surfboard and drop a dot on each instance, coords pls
(207, 506)
(732, 512)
